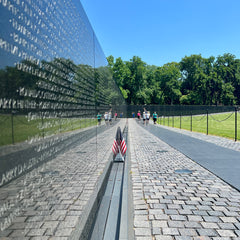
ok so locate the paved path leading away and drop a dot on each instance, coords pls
(173, 206)
(220, 141)
(223, 162)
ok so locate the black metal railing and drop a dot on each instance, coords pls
(222, 121)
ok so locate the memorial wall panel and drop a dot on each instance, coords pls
(54, 79)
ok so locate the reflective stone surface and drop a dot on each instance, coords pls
(54, 80)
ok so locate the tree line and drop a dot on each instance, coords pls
(193, 81)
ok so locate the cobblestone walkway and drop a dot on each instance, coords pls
(48, 202)
(173, 206)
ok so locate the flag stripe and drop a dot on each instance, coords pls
(122, 146)
(115, 147)
(115, 151)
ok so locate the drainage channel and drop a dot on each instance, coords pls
(108, 219)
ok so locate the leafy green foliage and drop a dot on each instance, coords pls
(194, 80)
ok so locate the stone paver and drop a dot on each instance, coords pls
(198, 206)
(48, 202)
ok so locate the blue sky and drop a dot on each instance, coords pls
(163, 31)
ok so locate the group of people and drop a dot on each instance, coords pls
(107, 117)
(146, 116)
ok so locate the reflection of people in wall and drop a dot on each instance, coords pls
(121, 114)
(110, 116)
(99, 118)
(106, 118)
(133, 114)
(115, 116)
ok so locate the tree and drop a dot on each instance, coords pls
(136, 82)
(194, 80)
(228, 69)
(110, 60)
(200, 83)
(121, 75)
(193, 77)
(168, 78)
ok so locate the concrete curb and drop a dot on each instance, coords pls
(84, 226)
(126, 225)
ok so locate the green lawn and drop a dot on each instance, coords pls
(25, 130)
(218, 124)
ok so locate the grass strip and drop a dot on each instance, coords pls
(17, 128)
(222, 125)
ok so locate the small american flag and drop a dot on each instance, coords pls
(119, 143)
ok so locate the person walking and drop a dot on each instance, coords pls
(110, 117)
(155, 117)
(147, 117)
(106, 118)
(139, 115)
(144, 116)
(99, 116)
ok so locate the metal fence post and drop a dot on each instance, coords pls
(236, 111)
(60, 125)
(191, 121)
(12, 127)
(42, 126)
(180, 120)
(207, 121)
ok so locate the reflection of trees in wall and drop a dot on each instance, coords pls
(59, 83)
